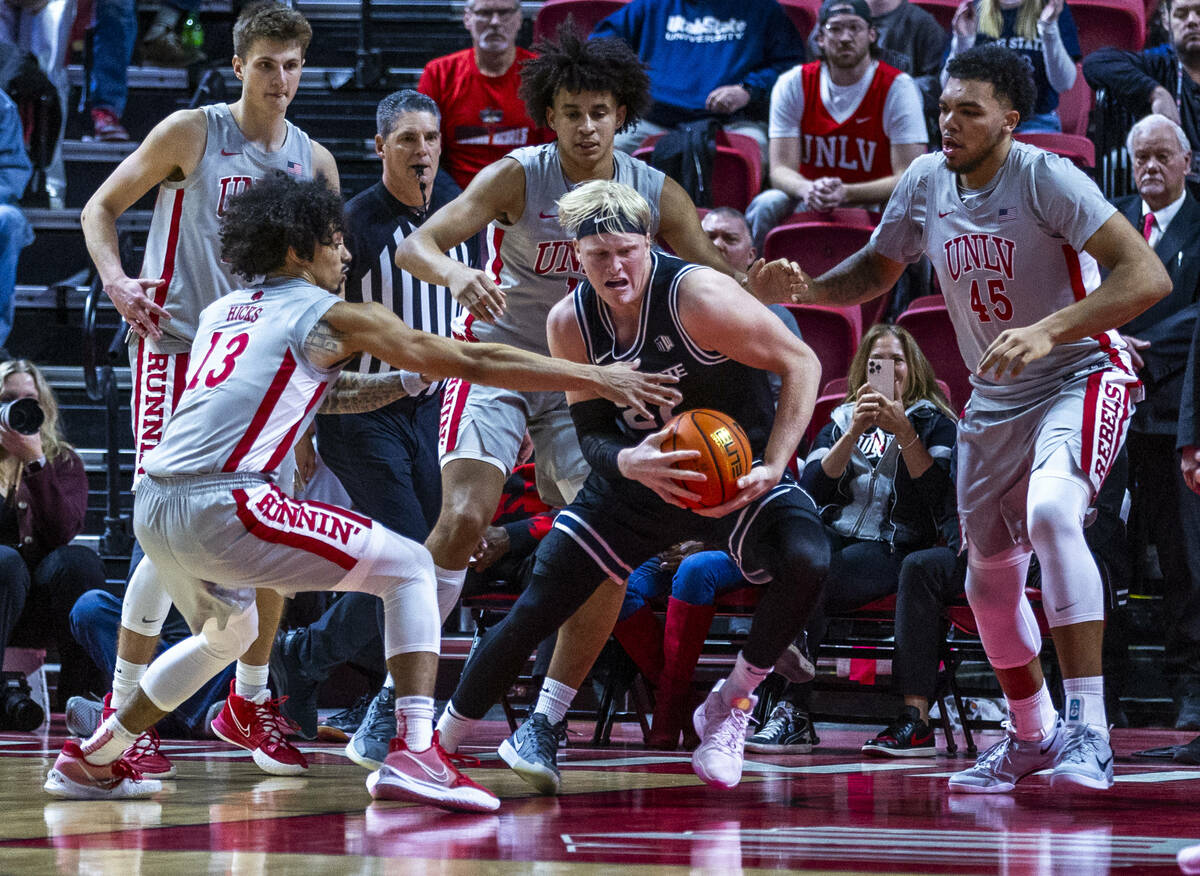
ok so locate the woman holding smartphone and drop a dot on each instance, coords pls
(880, 470)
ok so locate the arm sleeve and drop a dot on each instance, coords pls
(787, 105)
(1128, 76)
(900, 235)
(599, 438)
(1060, 66)
(903, 112)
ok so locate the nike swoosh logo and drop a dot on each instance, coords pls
(149, 620)
(244, 730)
(442, 775)
(1049, 744)
(223, 152)
(548, 215)
(1064, 607)
(944, 215)
(1103, 764)
(863, 120)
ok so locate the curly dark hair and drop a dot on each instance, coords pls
(1010, 74)
(574, 63)
(273, 215)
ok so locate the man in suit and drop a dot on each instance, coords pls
(1166, 512)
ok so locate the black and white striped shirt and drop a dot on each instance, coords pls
(375, 224)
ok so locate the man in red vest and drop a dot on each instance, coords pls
(842, 128)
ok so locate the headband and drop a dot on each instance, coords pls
(611, 224)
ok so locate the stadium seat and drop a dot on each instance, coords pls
(1079, 149)
(943, 10)
(586, 13)
(822, 411)
(926, 301)
(737, 168)
(1075, 104)
(1117, 23)
(832, 332)
(934, 333)
(803, 14)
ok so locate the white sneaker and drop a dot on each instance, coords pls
(722, 732)
(998, 769)
(1086, 760)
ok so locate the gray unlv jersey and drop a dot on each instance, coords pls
(183, 247)
(250, 390)
(1007, 256)
(533, 259)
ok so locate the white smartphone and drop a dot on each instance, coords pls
(881, 377)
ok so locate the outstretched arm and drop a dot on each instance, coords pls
(860, 277)
(357, 393)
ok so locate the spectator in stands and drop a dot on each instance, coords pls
(843, 128)
(1163, 80)
(1041, 31)
(42, 28)
(476, 89)
(880, 469)
(1167, 512)
(15, 231)
(113, 36)
(45, 490)
(912, 41)
(707, 59)
(385, 458)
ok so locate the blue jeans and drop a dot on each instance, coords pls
(94, 622)
(15, 235)
(1042, 123)
(700, 578)
(112, 49)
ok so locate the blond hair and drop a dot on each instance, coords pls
(605, 203)
(991, 22)
(53, 443)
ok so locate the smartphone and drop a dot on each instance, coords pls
(881, 377)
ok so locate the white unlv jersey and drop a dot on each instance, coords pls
(1007, 256)
(183, 246)
(250, 391)
(533, 259)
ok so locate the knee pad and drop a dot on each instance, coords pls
(230, 642)
(186, 667)
(996, 593)
(146, 603)
(1072, 590)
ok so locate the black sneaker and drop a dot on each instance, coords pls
(532, 752)
(907, 736)
(787, 731)
(292, 685)
(340, 726)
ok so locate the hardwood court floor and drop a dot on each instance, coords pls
(623, 806)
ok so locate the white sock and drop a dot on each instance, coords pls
(742, 682)
(1085, 702)
(453, 728)
(449, 588)
(414, 721)
(108, 743)
(126, 677)
(249, 681)
(554, 700)
(1033, 718)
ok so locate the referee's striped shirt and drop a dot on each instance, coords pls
(375, 224)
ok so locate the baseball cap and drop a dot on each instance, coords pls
(831, 8)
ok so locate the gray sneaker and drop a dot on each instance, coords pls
(83, 716)
(998, 769)
(369, 746)
(1086, 760)
(532, 752)
(340, 726)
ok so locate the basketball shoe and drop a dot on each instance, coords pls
(722, 731)
(256, 725)
(1086, 760)
(74, 778)
(370, 744)
(340, 726)
(1189, 859)
(429, 776)
(787, 731)
(998, 769)
(532, 752)
(907, 736)
(84, 716)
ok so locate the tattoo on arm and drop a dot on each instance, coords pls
(325, 346)
(357, 393)
(850, 282)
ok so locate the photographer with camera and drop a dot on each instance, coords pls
(44, 498)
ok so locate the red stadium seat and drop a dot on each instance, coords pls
(1117, 23)
(586, 14)
(1075, 104)
(934, 333)
(832, 332)
(943, 10)
(803, 14)
(737, 168)
(836, 385)
(926, 301)
(822, 411)
(1079, 149)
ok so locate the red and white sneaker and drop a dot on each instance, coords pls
(74, 778)
(257, 726)
(143, 755)
(429, 776)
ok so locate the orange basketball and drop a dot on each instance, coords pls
(724, 453)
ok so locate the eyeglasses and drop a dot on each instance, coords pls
(836, 30)
(502, 14)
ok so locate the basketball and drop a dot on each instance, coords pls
(724, 453)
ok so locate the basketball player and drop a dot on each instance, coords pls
(586, 91)
(214, 525)
(199, 158)
(1015, 234)
(693, 321)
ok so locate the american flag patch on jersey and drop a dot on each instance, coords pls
(1007, 214)
(295, 167)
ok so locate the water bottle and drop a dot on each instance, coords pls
(192, 35)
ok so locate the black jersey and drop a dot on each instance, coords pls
(707, 379)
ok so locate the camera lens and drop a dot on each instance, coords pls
(23, 415)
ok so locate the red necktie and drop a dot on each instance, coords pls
(1148, 226)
